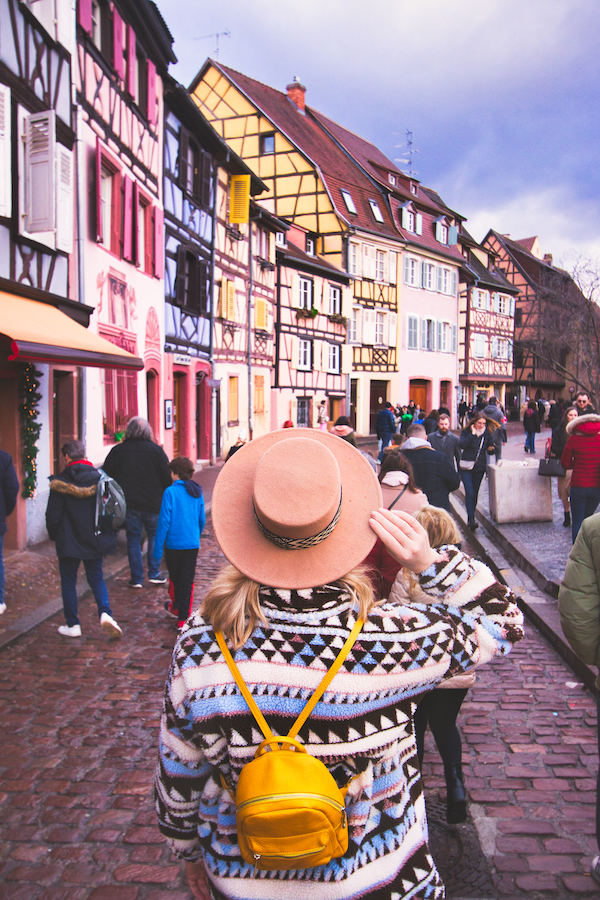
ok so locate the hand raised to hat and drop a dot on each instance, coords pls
(404, 538)
(198, 880)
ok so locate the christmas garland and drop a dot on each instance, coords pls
(31, 429)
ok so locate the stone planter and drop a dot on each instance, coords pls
(518, 493)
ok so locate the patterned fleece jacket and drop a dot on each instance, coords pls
(361, 728)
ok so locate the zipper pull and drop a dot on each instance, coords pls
(256, 857)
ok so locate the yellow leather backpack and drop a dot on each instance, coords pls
(290, 813)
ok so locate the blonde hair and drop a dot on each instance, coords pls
(232, 604)
(441, 529)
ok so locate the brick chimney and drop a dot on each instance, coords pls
(548, 258)
(296, 92)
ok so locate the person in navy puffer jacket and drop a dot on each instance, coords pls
(180, 524)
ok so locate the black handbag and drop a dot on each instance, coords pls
(551, 465)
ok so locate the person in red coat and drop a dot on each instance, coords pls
(582, 454)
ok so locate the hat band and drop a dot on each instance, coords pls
(286, 543)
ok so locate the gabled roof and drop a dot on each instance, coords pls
(298, 259)
(493, 279)
(338, 171)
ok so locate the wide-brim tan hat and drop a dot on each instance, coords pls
(291, 509)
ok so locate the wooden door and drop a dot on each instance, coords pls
(378, 398)
(177, 415)
(418, 392)
(16, 536)
(65, 425)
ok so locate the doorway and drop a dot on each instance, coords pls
(378, 398)
(353, 399)
(65, 413)
(153, 401)
(446, 394)
(10, 428)
(418, 392)
(177, 414)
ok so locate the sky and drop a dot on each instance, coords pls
(501, 96)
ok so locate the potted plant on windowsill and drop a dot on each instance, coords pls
(338, 318)
(306, 313)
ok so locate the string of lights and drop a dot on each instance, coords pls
(31, 428)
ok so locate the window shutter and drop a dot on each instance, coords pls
(453, 234)
(99, 234)
(488, 301)
(393, 264)
(260, 314)
(159, 243)
(419, 224)
(5, 152)
(454, 282)
(138, 252)
(239, 199)
(346, 306)
(512, 306)
(40, 202)
(440, 336)
(118, 58)
(131, 61)
(182, 162)
(440, 276)
(128, 245)
(84, 14)
(181, 283)
(64, 207)
(438, 231)
(347, 359)
(231, 301)
(423, 334)
(116, 220)
(320, 356)
(405, 215)
(207, 177)
(369, 325)
(222, 304)
(151, 81)
(392, 329)
(406, 270)
(454, 338)
(495, 302)
(295, 360)
(203, 285)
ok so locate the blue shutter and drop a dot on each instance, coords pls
(454, 282)
(439, 278)
(423, 334)
(453, 234)
(454, 338)
(406, 270)
(512, 307)
(439, 335)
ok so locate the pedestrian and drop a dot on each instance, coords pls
(583, 405)
(430, 422)
(440, 707)
(180, 524)
(563, 483)
(582, 455)
(555, 415)
(343, 429)
(9, 491)
(385, 426)
(406, 419)
(434, 473)
(292, 516)
(322, 417)
(141, 467)
(494, 411)
(541, 407)
(532, 426)
(463, 408)
(71, 524)
(445, 441)
(579, 608)
(478, 443)
(241, 440)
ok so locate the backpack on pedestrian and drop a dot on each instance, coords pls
(111, 507)
(289, 811)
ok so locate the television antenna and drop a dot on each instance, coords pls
(216, 35)
(409, 152)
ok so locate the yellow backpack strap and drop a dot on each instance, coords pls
(327, 680)
(242, 686)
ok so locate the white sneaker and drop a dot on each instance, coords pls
(110, 626)
(70, 630)
(2, 608)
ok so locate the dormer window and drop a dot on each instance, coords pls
(413, 188)
(411, 220)
(377, 215)
(280, 238)
(267, 144)
(441, 231)
(391, 178)
(347, 197)
(310, 246)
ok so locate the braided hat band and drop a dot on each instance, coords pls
(286, 543)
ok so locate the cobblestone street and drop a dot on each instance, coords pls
(79, 731)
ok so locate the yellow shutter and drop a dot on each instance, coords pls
(239, 199)
(222, 311)
(260, 314)
(230, 301)
(259, 393)
(233, 415)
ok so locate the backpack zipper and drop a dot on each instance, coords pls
(273, 797)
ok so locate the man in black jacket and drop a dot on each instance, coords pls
(141, 467)
(9, 489)
(71, 524)
(433, 471)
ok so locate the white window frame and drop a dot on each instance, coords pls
(333, 359)
(347, 198)
(391, 178)
(305, 293)
(380, 328)
(377, 214)
(503, 304)
(356, 325)
(411, 271)
(310, 246)
(412, 333)
(354, 254)
(429, 276)
(335, 300)
(380, 265)
(280, 238)
(428, 334)
(304, 355)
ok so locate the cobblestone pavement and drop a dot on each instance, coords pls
(78, 748)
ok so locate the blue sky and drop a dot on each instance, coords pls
(501, 95)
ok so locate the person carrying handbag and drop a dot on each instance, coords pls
(479, 441)
(559, 440)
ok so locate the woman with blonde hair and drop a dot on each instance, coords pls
(479, 442)
(295, 512)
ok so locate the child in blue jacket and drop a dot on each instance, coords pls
(180, 524)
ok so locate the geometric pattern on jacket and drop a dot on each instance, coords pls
(361, 728)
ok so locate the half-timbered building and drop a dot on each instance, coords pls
(313, 362)
(314, 183)
(45, 346)
(524, 266)
(486, 325)
(123, 50)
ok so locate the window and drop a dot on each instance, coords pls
(333, 359)
(192, 281)
(411, 271)
(310, 246)
(391, 178)
(119, 401)
(427, 334)
(304, 355)
(376, 211)
(444, 343)
(379, 328)
(412, 340)
(335, 300)
(305, 293)
(446, 281)
(267, 144)
(504, 305)
(355, 323)
(195, 169)
(259, 393)
(233, 397)
(479, 346)
(109, 202)
(501, 348)
(5, 152)
(347, 197)
(354, 259)
(144, 244)
(480, 299)
(413, 187)
(118, 306)
(429, 276)
(228, 300)
(280, 238)
(303, 412)
(441, 232)
(380, 266)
